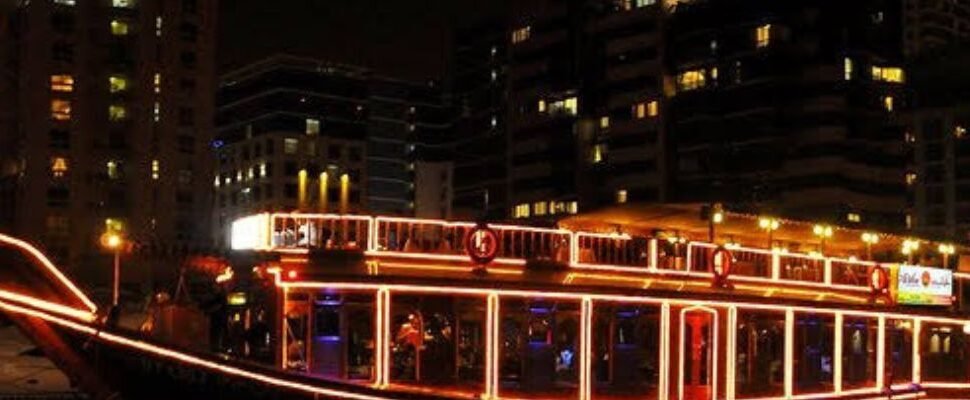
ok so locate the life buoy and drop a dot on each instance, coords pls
(481, 244)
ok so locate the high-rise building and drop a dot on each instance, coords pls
(296, 133)
(789, 106)
(113, 114)
(479, 148)
(933, 24)
(938, 137)
(585, 93)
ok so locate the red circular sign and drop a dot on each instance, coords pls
(878, 279)
(481, 244)
(721, 262)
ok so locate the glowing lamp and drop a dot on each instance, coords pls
(292, 274)
(824, 231)
(111, 240)
(946, 249)
(768, 223)
(966, 328)
(870, 238)
(717, 217)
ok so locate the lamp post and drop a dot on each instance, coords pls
(869, 239)
(946, 250)
(910, 246)
(769, 225)
(823, 232)
(113, 241)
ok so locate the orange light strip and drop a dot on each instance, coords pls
(55, 308)
(881, 353)
(586, 349)
(378, 339)
(38, 256)
(917, 362)
(439, 257)
(664, 387)
(680, 358)
(384, 330)
(789, 351)
(837, 354)
(946, 385)
(185, 358)
(732, 348)
(491, 346)
(448, 268)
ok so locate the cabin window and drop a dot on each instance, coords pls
(760, 357)
(943, 353)
(859, 352)
(813, 352)
(899, 350)
(625, 359)
(540, 348)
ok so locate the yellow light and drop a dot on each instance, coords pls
(717, 217)
(111, 240)
(870, 238)
(947, 249)
(768, 224)
(301, 183)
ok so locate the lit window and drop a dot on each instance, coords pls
(119, 27)
(689, 80)
(262, 170)
(521, 34)
(158, 26)
(644, 3)
(573, 207)
(112, 169)
(887, 74)
(847, 68)
(156, 112)
(959, 131)
(853, 217)
(158, 82)
(599, 151)
(114, 225)
(763, 35)
(542, 105)
(58, 167)
(62, 83)
(910, 178)
(117, 112)
(123, 3)
(909, 137)
(604, 122)
(566, 106)
(909, 221)
(521, 211)
(290, 145)
(156, 169)
(64, 2)
(494, 75)
(539, 208)
(312, 126)
(714, 73)
(887, 103)
(216, 182)
(652, 108)
(60, 110)
(250, 174)
(117, 83)
(640, 110)
(621, 196)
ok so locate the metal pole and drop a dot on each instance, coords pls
(114, 292)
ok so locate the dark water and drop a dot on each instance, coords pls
(44, 396)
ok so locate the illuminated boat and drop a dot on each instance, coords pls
(634, 302)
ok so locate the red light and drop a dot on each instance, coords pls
(291, 274)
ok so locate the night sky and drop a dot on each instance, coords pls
(402, 38)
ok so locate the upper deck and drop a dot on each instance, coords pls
(667, 248)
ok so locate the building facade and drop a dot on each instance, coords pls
(113, 118)
(789, 107)
(300, 134)
(938, 179)
(932, 24)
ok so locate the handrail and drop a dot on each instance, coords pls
(436, 239)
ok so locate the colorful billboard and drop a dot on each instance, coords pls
(924, 286)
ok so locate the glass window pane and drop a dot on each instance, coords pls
(760, 358)
(814, 341)
(625, 357)
(540, 344)
(859, 352)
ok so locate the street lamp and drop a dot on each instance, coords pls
(823, 232)
(113, 241)
(869, 239)
(946, 250)
(910, 246)
(769, 224)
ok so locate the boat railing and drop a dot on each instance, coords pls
(411, 237)
(319, 231)
(444, 240)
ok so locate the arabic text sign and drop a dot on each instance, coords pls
(924, 286)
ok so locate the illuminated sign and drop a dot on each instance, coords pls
(251, 232)
(924, 286)
(481, 244)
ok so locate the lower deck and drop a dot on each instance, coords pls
(522, 344)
